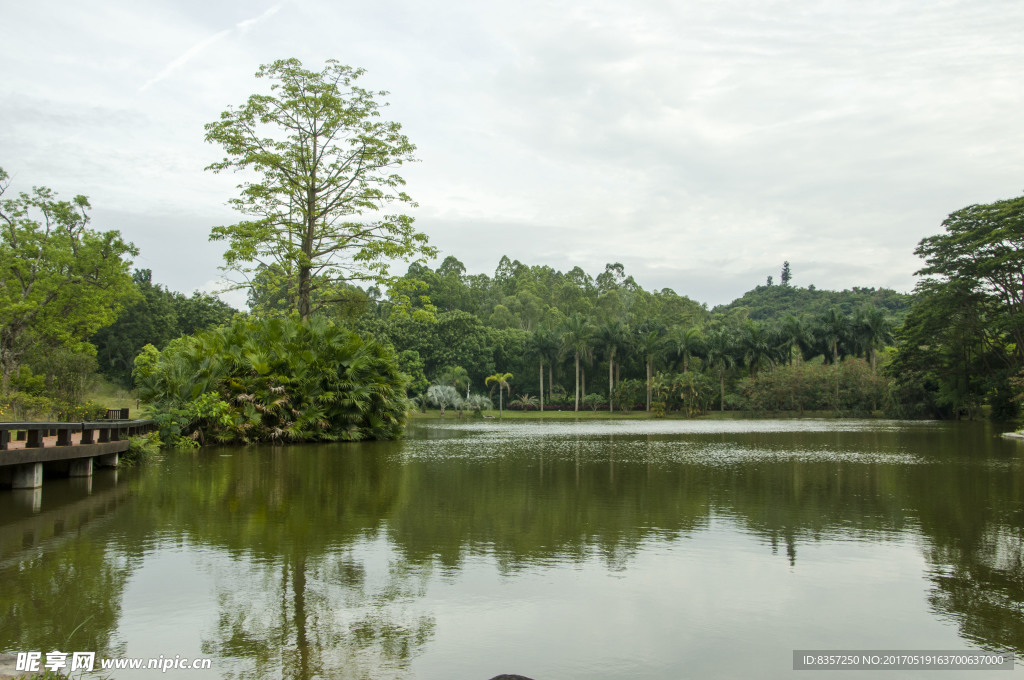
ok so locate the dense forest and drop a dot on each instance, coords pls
(777, 347)
(568, 341)
(335, 345)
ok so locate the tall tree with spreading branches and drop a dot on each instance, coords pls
(325, 169)
(60, 281)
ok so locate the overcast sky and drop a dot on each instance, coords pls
(700, 143)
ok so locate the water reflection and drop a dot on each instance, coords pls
(328, 559)
(59, 591)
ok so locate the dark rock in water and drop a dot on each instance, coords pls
(510, 676)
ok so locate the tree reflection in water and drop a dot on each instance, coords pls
(330, 550)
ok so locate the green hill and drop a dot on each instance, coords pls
(776, 302)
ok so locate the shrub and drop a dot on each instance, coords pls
(275, 380)
(811, 387)
(141, 448)
(595, 401)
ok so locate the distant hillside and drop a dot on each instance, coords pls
(775, 302)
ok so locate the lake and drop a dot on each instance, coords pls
(552, 549)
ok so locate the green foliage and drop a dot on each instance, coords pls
(454, 339)
(773, 303)
(443, 396)
(948, 351)
(964, 335)
(478, 403)
(276, 380)
(811, 386)
(22, 406)
(629, 394)
(155, 317)
(324, 159)
(983, 250)
(145, 362)
(595, 401)
(412, 365)
(501, 381)
(525, 402)
(572, 328)
(141, 448)
(60, 280)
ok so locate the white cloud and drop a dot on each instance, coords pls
(701, 143)
(201, 46)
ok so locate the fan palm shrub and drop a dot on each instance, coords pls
(275, 380)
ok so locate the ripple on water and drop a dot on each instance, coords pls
(704, 443)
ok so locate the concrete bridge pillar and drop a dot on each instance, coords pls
(81, 467)
(27, 476)
(107, 460)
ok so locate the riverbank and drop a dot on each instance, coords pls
(451, 414)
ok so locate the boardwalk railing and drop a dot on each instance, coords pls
(100, 431)
(25, 451)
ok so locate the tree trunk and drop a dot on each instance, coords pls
(577, 407)
(542, 387)
(835, 359)
(304, 303)
(649, 385)
(583, 381)
(551, 382)
(611, 361)
(721, 390)
(309, 224)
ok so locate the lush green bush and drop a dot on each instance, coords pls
(141, 448)
(274, 380)
(22, 406)
(629, 393)
(812, 386)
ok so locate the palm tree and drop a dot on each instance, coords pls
(719, 348)
(544, 348)
(792, 332)
(443, 396)
(834, 328)
(756, 344)
(525, 401)
(612, 337)
(501, 380)
(873, 330)
(577, 334)
(478, 402)
(651, 346)
(686, 342)
(662, 385)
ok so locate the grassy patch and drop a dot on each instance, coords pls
(111, 395)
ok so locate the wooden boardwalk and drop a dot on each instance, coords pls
(75, 439)
(63, 449)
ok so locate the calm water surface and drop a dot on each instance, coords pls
(605, 549)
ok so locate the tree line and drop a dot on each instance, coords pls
(573, 341)
(317, 241)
